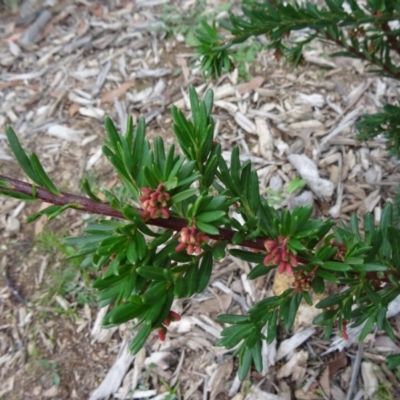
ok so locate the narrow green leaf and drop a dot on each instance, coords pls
(367, 328)
(207, 228)
(152, 273)
(88, 190)
(140, 338)
(112, 133)
(218, 251)
(154, 292)
(4, 183)
(336, 266)
(192, 279)
(369, 267)
(17, 195)
(327, 276)
(211, 216)
(259, 270)
(232, 318)
(247, 255)
(20, 154)
(331, 301)
(393, 361)
(205, 271)
(181, 196)
(245, 359)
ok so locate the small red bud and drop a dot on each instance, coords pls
(190, 249)
(164, 213)
(161, 332)
(174, 316)
(180, 247)
(270, 245)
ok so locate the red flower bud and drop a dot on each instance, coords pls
(174, 316)
(293, 260)
(180, 247)
(190, 249)
(161, 332)
(270, 245)
(164, 213)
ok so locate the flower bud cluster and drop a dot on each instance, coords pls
(280, 255)
(341, 249)
(191, 240)
(302, 281)
(154, 202)
(162, 330)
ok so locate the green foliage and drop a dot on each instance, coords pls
(385, 123)
(140, 271)
(66, 277)
(359, 32)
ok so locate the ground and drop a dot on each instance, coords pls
(120, 58)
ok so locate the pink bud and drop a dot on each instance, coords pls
(275, 251)
(293, 260)
(197, 249)
(161, 333)
(267, 259)
(164, 213)
(160, 187)
(180, 247)
(167, 322)
(174, 316)
(190, 249)
(285, 267)
(203, 238)
(284, 255)
(153, 212)
(160, 197)
(277, 259)
(192, 239)
(270, 245)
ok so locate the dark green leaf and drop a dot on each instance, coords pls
(367, 328)
(140, 338)
(336, 266)
(259, 270)
(20, 154)
(331, 301)
(17, 195)
(327, 276)
(205, 271)
(369, 267)
(218, 251)
(245, 359)
(248, 256)
(393, 361)
(185, 194)
(155, 292)
(211, 216)
(232, 318)
(207, 228)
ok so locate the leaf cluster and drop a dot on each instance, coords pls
(141, 270)
(365, 32)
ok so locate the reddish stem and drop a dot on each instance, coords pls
(95, 207)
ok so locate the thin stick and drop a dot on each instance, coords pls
(356, 370)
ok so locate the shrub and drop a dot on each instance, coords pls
(201, 206)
